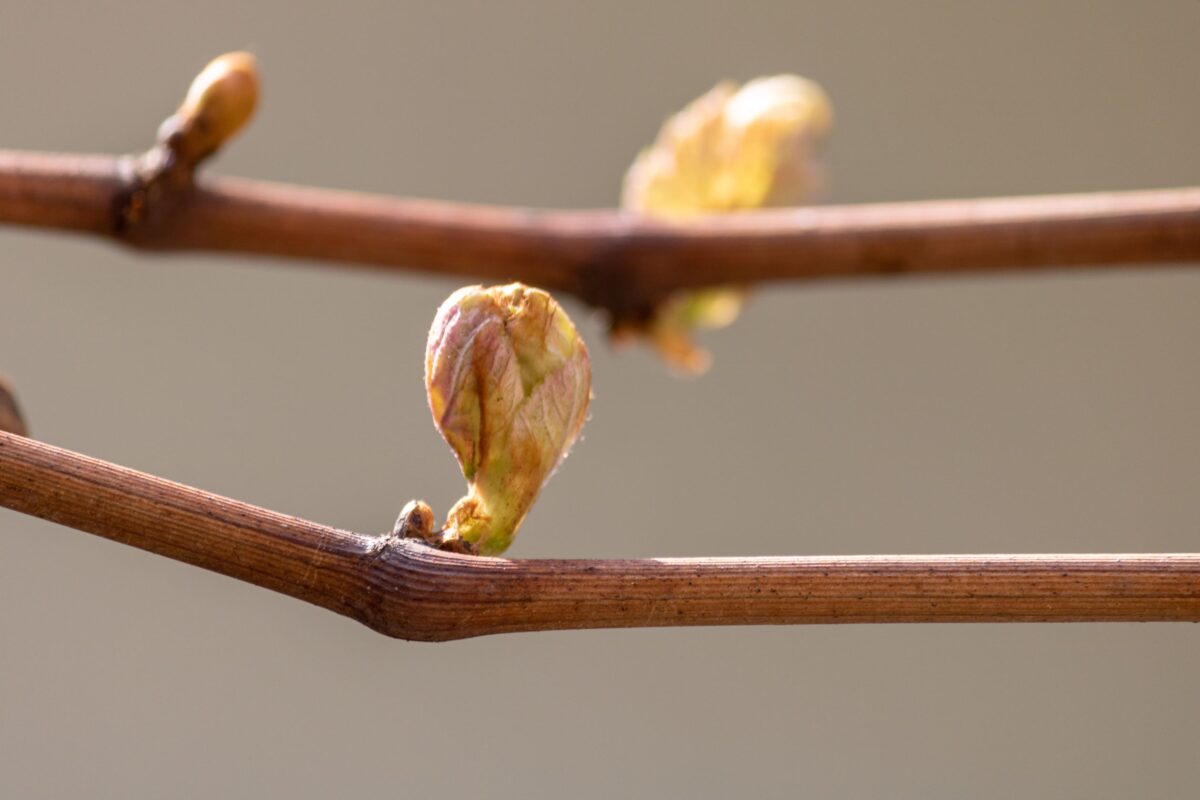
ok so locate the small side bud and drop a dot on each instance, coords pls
(11, 420)
(731, 149)
(509, 380)
(218, 104)
(415, 522)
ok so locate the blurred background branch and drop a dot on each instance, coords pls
(615, 260)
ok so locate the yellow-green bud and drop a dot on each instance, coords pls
(731, 149)
(509, 380)
(218, 104)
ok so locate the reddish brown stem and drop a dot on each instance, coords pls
(609, 258)
(408, 590)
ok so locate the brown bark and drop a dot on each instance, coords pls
(411, 591)
(611, 259)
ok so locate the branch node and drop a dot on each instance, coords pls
(154, 184)
(613, 279)
(218, 104)
(416, 522)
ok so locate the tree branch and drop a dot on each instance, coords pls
(405, 589)
(617, 261)
(611, 259)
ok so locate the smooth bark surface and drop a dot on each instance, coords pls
(610, 259)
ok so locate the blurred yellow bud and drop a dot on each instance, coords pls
(218, 104)
(509, 381)
(731, 149)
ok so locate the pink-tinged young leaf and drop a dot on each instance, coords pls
(508, 380)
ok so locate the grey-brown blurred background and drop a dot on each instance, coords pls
(990, 414)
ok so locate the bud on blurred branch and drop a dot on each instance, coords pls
(218, 104)
(509, 380)
(732, 149)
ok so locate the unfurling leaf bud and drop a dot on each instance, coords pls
(732, 149)
(509, 380)
(219, 102)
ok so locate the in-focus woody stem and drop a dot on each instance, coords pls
(612, 259)
(408, 590)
